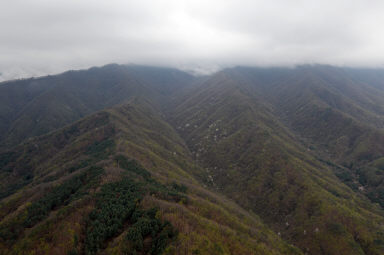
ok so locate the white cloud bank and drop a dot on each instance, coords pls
(44, 36)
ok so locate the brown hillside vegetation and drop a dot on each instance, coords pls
(147, 160)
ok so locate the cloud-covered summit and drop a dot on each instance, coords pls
(44, 36)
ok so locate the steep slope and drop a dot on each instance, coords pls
(372, 76)
(280, 142)
(232, 128)
(337, 113)
(36, 106)
(118, 181)
(343, 120)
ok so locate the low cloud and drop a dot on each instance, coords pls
(43, 36)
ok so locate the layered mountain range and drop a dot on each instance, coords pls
(126, 159)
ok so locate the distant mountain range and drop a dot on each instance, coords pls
(126, 159)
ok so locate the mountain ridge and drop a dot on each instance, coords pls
(140, 144)
(298, 151)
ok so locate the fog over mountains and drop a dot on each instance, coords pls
(244, 127)
(42, 37)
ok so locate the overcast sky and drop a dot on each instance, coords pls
(49, 36)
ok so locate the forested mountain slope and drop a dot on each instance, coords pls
(333, 112)
(250, 156)
(244, 161)
(91, 186)
(36, 106)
